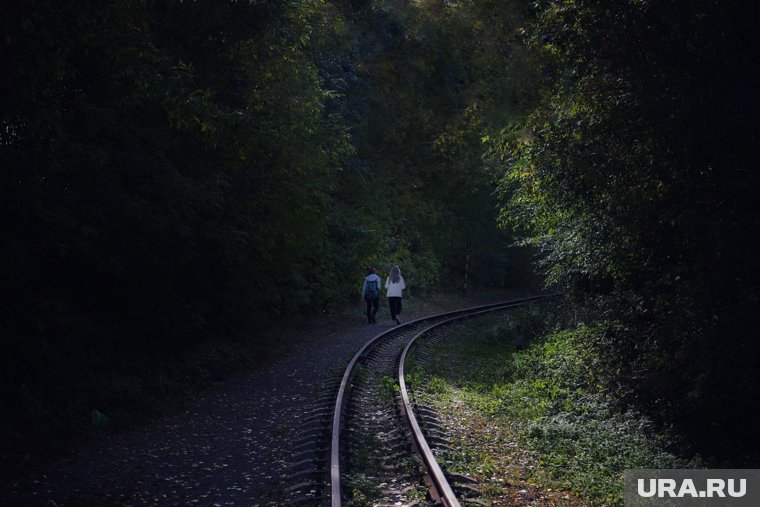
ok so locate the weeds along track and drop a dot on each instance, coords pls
(364, 442)
(377, 464)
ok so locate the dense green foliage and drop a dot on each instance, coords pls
(175, 173)
(578, 437)
(151, 174)
(636, 176)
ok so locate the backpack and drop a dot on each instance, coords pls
(371, 291)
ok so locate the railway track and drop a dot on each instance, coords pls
(364, 440)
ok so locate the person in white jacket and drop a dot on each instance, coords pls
(394, 286)
(371, 294)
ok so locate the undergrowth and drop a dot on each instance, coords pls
(581, 436)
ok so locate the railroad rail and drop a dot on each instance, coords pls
(439, 487)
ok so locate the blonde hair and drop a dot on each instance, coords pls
(395, 275)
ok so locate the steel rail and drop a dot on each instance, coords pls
(444, 493)
(335, 481)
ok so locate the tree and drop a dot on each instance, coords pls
(633, 180)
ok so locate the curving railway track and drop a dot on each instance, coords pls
(366, 436)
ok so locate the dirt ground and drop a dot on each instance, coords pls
(231, 443)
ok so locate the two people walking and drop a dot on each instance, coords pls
(394, 286)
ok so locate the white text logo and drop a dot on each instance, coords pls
(715, 488)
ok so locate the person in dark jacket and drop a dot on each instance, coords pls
(371, 294)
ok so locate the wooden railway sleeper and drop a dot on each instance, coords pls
(463, 479)
(306, 464)
(306, 444)
(316, 474)
(429, 425)
(466, 490)
(315, 453)
(322, 414)
(313, 432)
(436, 433)
(296, 488)
(439, 441)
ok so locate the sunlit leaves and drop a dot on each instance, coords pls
(615, 178)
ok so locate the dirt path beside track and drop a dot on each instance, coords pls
(229, 446)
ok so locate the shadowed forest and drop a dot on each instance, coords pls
(176, 174)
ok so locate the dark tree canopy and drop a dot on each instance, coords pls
(636, 176)
(175, 173)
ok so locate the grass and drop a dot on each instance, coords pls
(536, 417)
